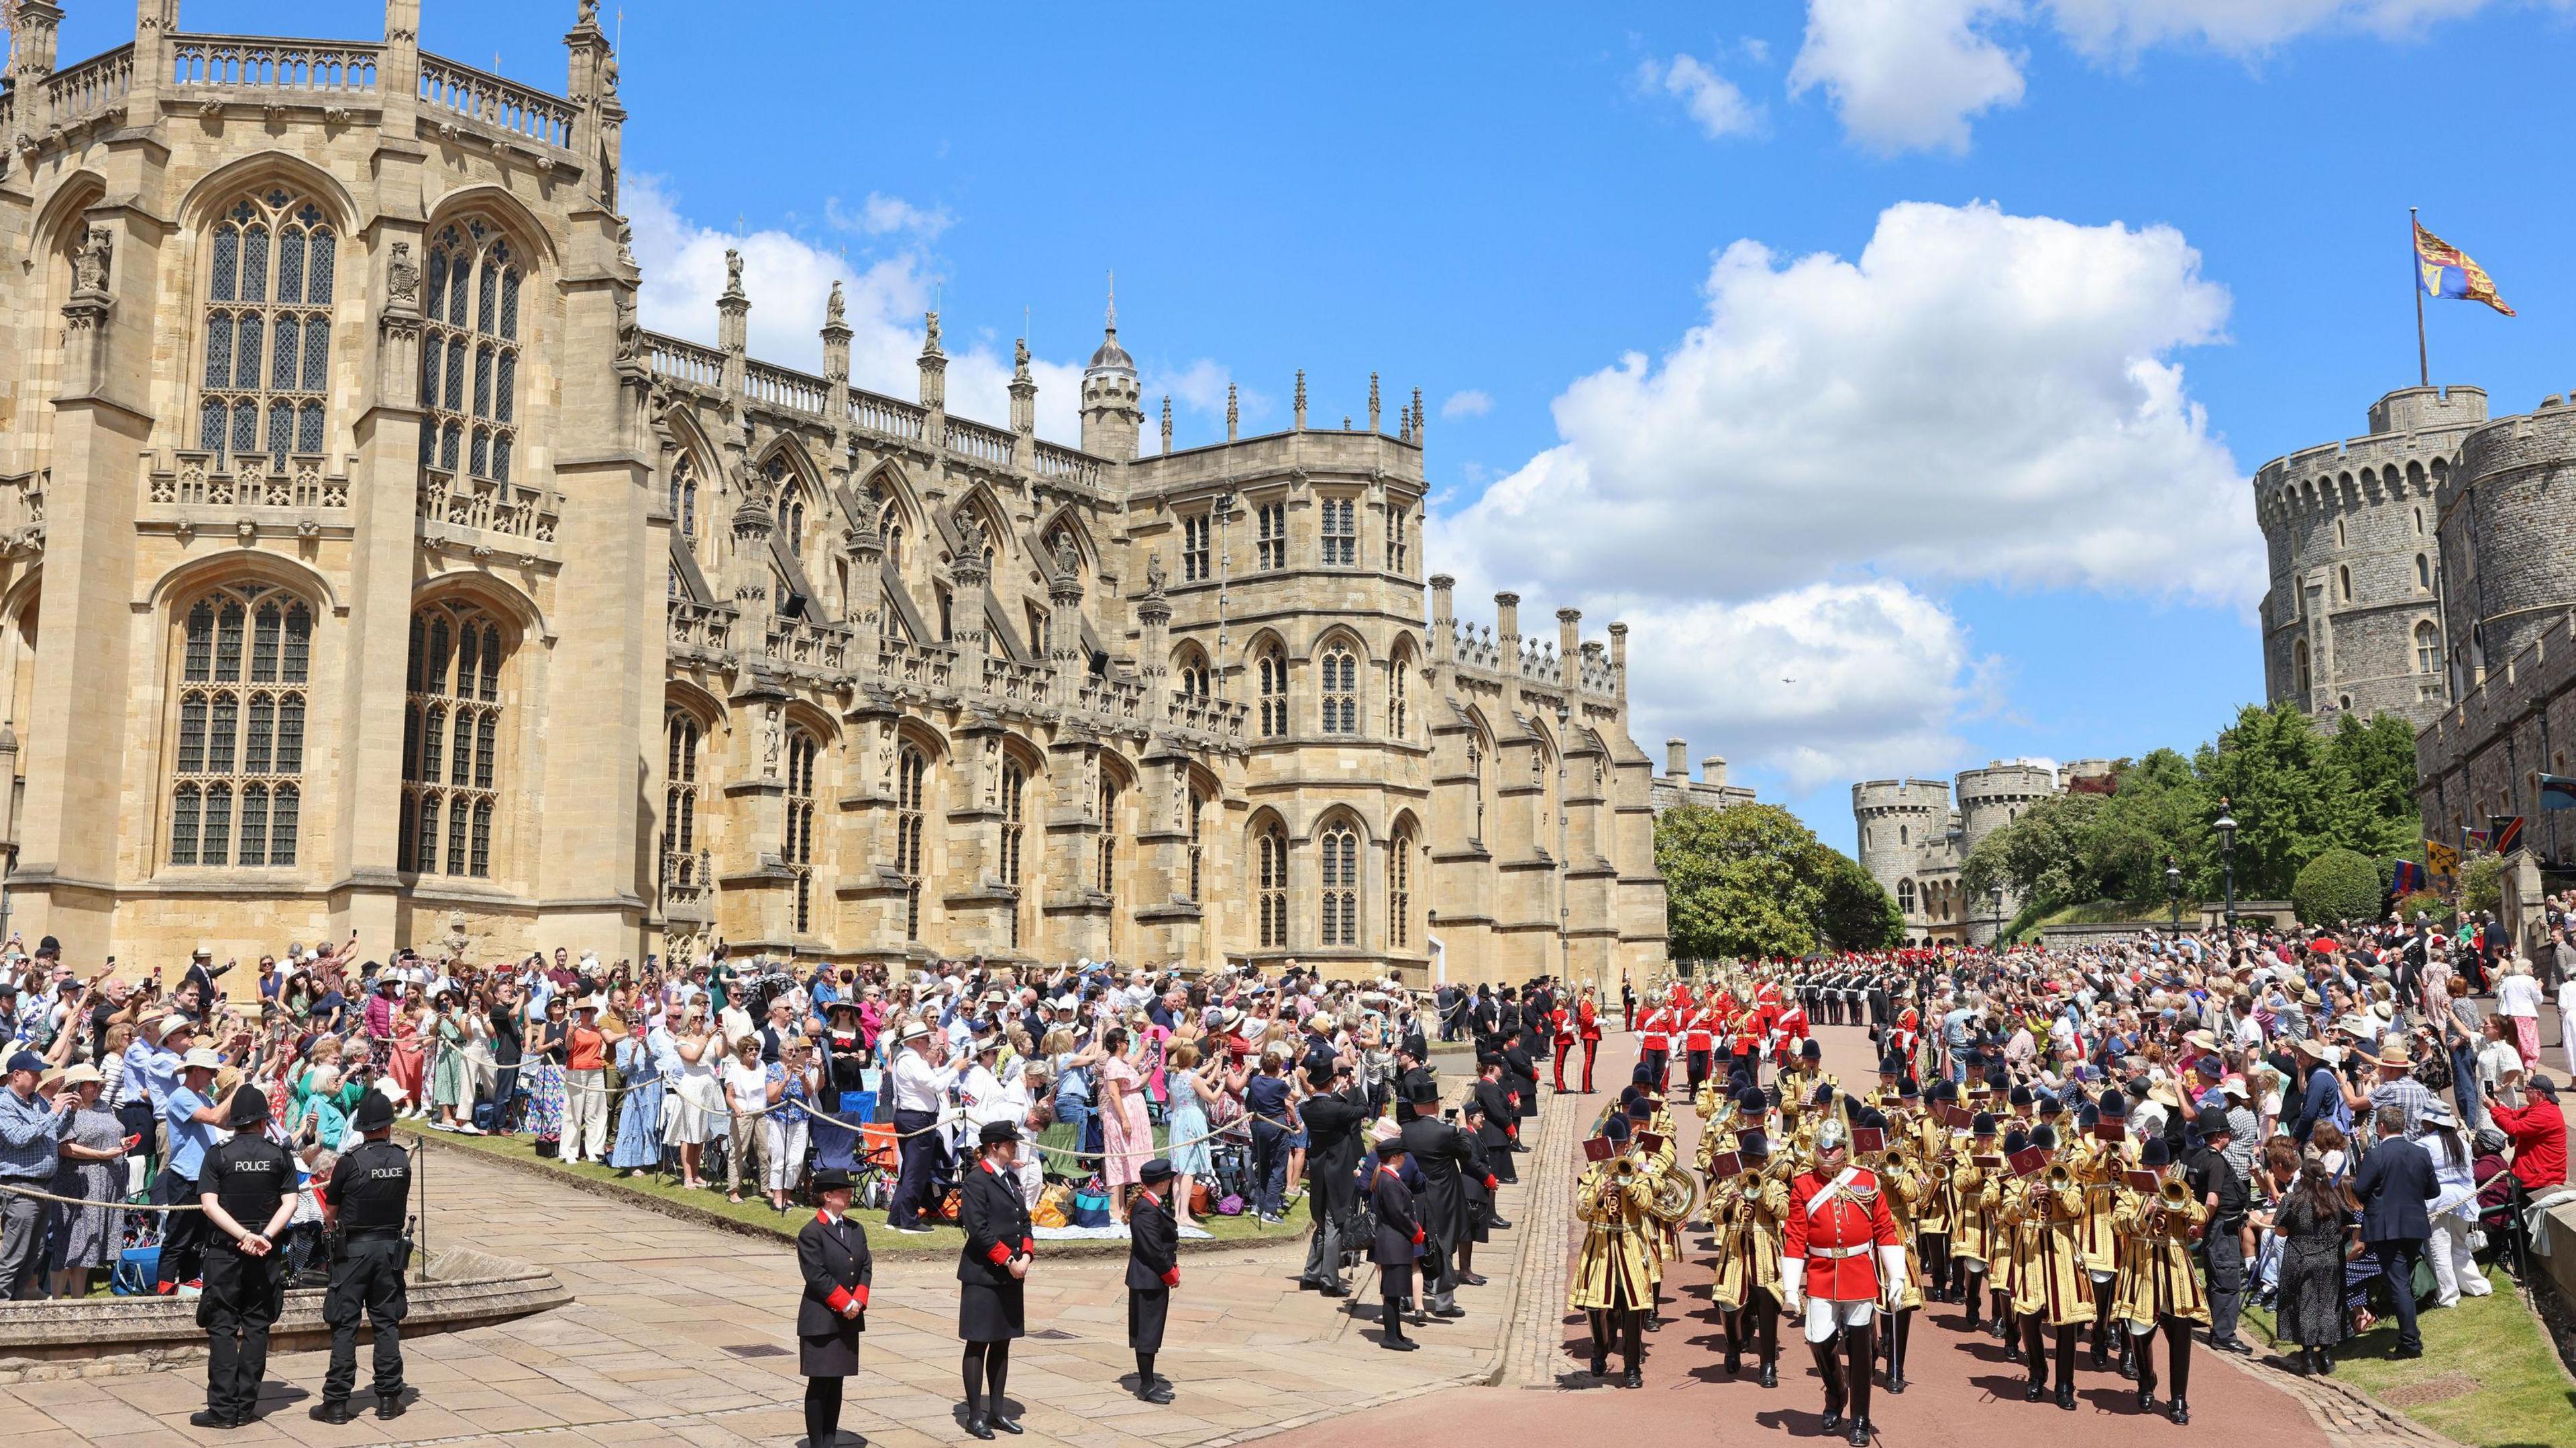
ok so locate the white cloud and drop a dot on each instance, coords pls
(1826, 682)
(1977, 398)
(882, 215)
(1908, 74)
(1712, 100)
(1912, 74)
(1469, 403)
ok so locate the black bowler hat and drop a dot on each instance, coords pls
(1157, 1170)
(831, 1179)
(375, 1112)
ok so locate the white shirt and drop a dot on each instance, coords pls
(2567, 995)
(919, 1086)
(2518, 995)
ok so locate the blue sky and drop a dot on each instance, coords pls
(2020, 292)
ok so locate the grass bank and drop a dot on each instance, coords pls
(2489, 1376)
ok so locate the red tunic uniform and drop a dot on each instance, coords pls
(1656, 1025)
(1696, 1021)
(1840, 1244)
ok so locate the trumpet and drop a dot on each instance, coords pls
(1939, 1174)
(2171, 1197)
(2060, 1175)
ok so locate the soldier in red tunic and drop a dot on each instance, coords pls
(1841, 1262)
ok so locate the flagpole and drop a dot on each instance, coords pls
(2415, 284)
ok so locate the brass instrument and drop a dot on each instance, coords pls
(2060, 1176)
(1939, 1175)
(1674, 1191)
(2172, 1196)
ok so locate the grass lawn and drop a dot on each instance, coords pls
(2488, 1377)
(754, 1210)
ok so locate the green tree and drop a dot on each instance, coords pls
(2337, 887)
(2376, 769)
(1858, 913)
(2482, 883)
(2273, 768)
(1753, 881)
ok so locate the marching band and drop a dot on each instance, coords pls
(1849, 1211)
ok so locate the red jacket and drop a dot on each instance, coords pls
(1696, 1021)
(1587, 1019)
(1656, 1026)
(1832, 1244)
(2539, 1136)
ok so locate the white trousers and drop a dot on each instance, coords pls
(1823, 1317)
(2567, 1038)
(784, 1146)
(585, 1128)
(2455, 1269)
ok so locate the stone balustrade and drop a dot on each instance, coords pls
(298, 69)
(522, 112)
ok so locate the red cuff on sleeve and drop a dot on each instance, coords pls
(1171, 1276)
(1491, 1184)
(1513, 1130)
(861, 1295)
(839, 1301)
(1028, 1246)
(1000, 1254)
(1417, 1236)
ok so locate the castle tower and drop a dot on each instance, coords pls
(2352, 623)
(1996, 795)
(1112, 407)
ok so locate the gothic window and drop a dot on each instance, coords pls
(798, 856)
(236, 794)
(451, 740)
(1272, 667)
(1271, 536)
(680, 798)
(2343, 582)
(1198, 823)
(2338, 532)
(889, 519)
(1399, 553)
(1341, 532)
(1271, 863)
(684, 501)
(1397, 688)
(1341, 691)
(1037, 630)
(2428, 647)
(2419, 522)
(2423, 572)
(2299, 668)
(1476, 782)
(469, 353)
(268, 329)
(912, 778)
(1014, 797)
(1195, 553)
(1905, 896)
(1399, 892)
(1105, 879)
(1193, 673)
(1340, 881)
(790, 492)
(1901, 836)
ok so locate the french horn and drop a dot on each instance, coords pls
(1673, 1191)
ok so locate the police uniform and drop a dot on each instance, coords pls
(249, 1176)
(367, 1193)
(992, 1305)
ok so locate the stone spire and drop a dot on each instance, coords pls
(1301, 399)
(1024, 389)
(1417, 417)
(1167, 422)
(1372, 402)
(1232, 413)
(1112, 411)
(934, 365)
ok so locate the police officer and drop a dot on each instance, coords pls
(248, 1193)
(364, 1201)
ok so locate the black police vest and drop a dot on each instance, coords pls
(249, 1175)
(373, 1184)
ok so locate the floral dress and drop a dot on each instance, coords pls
(86, 1236)
(1126, 1136)
(545, 1079)
(639, 1116)
(449, 1082)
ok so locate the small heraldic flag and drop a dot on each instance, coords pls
(2446, 271)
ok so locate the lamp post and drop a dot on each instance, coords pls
(1995, 907)
(2225, 825)
(2173, 892)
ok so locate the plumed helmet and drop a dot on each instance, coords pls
(1831, 1136)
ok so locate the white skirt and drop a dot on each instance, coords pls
(689, 1113)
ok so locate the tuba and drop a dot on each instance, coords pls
(1674, 1190)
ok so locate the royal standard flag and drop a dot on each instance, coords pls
(2446, 271)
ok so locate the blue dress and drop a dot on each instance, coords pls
(1188, 1119)
(639, 1124)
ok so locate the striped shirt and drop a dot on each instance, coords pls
(31, 1134)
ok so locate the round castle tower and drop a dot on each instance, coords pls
(1995, 796)
(2352, 622)
(1113, 407)
(2505, 522)
(1897, 818)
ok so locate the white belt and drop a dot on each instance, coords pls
(1836, 1254)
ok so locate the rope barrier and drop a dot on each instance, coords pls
(93, 1202)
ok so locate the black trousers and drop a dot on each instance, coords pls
(822, 1412)
(366, 1281)
(183, 1235)
(912, 1182)
(242, 1299)
(1658, 1065)
(2036, 1336)
(1757, 1320)
(1622, 1327)
(1696, 1063)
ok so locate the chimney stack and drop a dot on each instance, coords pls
(1677, 758)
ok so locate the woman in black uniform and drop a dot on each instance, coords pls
(832, 1257)
(993, 1270)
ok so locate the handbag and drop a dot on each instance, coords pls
(1229, 1205)
(1053, 1205)
(1200, 1200)
(1090, 1209)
